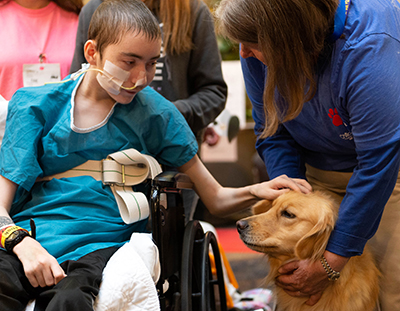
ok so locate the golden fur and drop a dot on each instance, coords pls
(298, 226)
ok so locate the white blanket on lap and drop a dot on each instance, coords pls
(129, 278)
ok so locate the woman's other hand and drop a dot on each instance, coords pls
(306, 278)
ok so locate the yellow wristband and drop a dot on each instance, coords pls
(6, 233)
(1, 232)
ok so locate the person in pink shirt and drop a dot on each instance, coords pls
(38, 41)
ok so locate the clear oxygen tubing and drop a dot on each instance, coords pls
(111, 77)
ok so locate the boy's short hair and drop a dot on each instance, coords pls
(115, 18)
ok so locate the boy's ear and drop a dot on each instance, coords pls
(90, 50)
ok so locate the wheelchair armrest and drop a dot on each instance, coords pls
(173, 179)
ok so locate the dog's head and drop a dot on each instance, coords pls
(293, 225)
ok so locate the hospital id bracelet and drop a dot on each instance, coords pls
(5, 233)
(14, 236)
(2, 230)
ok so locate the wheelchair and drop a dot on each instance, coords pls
(184, 250)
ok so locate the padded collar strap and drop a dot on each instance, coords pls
(120, 171)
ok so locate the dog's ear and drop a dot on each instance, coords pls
(261, 207)
(313, 244)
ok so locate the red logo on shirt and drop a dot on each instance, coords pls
(336, 120)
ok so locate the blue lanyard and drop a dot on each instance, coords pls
(340, 19)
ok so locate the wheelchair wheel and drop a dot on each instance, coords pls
(197, 281)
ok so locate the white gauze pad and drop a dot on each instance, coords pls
(112, 77)
(141, 80)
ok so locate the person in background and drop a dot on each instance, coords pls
(38, 42)
(324, 80)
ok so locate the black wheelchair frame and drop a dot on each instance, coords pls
(184, 251)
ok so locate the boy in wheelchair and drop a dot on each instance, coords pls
(105, 108)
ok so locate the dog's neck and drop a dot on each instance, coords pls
(275, 263)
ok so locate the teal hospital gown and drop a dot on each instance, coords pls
(75, 216)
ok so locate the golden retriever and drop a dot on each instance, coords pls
(298, 226)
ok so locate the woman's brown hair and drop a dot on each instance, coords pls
(68, 5)
(176, 16)
(290, 35)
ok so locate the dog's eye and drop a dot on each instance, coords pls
(286, 214)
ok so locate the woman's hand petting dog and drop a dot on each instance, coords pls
(306, 278)
(279, 186)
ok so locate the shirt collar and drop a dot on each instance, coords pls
(340, 20)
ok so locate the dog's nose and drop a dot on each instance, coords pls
(242, 225)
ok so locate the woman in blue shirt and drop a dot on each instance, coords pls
(53, 129)
(324, 80)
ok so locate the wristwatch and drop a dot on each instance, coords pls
(14, 238)
(332, 274)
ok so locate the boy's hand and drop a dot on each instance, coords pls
(40, 267)
(272, 189)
